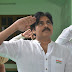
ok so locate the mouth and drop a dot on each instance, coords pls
(46, 31)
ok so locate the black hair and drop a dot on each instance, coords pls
(32, 27)
(40, 14)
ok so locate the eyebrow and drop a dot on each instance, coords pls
(47, 20)
(40, 21)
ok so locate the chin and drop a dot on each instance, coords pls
(46, 34)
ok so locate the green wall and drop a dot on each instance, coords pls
(23, 7)
(66, 14)
(71, 12)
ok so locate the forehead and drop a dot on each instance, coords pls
(44, 18)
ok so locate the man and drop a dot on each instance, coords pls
(40, 55)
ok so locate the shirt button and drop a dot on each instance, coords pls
(42, 50)
(46, 68)
(46, 58)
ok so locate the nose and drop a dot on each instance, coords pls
(46, 25)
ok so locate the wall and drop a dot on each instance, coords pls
(23, 7)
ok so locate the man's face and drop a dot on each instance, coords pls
(44, 29)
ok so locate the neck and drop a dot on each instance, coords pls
(44, 40)
(44, 43)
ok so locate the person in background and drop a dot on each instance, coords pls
(65, 38)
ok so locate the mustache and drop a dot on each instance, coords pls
(46, 28)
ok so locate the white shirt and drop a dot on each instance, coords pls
(17, 37)
(65, 38)
(30, 56)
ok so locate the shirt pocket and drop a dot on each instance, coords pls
(57, 64)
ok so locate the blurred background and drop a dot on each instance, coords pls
(11, 10)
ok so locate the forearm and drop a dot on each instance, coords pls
(21, 25)
(2, 68)
(7, 32)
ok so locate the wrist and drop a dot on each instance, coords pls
(22, 35)
(15, 27)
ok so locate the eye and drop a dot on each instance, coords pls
(41, 23)
(48, 22)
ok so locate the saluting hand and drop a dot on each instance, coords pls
(24, 23)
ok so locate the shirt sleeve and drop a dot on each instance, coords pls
(65, 36)
(10, 49)
(17, 38)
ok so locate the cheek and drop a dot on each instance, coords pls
(38, 30)
(52, 30)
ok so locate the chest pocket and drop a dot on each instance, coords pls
(57, 64)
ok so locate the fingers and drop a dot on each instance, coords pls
(30, 20)
(27, 27)
(29, 30)
(24, 23)
(27, 33)
(30, 33)
(33, 37)
(33, 20)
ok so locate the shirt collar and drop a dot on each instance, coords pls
(51, 43)
(50, 46)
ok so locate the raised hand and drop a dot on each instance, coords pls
(27, 34)
(21, 24)
(24, 23)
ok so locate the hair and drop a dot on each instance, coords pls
(38, 15)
